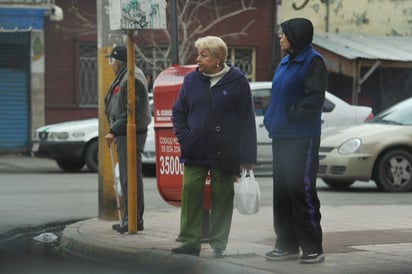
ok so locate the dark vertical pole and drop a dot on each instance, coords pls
(173, 32)
(327, 2)
(276, 52)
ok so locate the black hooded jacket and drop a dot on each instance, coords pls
(299, 32)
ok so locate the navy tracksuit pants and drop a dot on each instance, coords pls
(296, 207)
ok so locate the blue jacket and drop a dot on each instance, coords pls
(194, 123)
(295, 109)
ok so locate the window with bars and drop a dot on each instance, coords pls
(88, 75)
(150, 61)
(245, 59)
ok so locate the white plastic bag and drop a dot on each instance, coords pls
(117, 186)
(247, 194)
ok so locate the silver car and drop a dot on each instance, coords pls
(379, 150)
(336, 112)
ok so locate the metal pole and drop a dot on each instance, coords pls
(327, 2)
(131, 138)
(173, 33)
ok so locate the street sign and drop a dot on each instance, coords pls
(137, 14)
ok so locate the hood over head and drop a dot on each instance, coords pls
(299, 32)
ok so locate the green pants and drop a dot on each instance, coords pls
(221, 191)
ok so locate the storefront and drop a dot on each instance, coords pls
(21, 74)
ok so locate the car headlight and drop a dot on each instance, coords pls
(350, 146)
(58, 135)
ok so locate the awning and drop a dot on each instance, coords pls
(351, 53)
(21, 19)
(369, 47)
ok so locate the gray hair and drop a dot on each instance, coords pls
(214, 44)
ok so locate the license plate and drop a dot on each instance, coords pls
(35, 147)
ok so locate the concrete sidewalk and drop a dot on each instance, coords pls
(357, 239)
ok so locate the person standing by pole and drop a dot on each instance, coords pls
(293, 120)
(116, 102)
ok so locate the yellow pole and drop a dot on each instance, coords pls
(106, 195)
(107, 202)
(131, 138)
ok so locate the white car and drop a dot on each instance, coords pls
(336, 112)
(73, 144)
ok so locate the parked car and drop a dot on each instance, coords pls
(76, 144)
(72, 144)
(378, 150)
(336, 112)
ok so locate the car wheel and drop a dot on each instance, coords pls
(91, 156)
(394, 171)
(70, 165)
(338, 184)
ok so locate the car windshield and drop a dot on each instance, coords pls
(399, 114)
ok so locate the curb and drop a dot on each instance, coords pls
(77, 246)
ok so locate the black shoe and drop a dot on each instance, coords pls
(281, 255)
(311, 258)
(219, 253)
(186, 250)
(115, 226)
(122, 229)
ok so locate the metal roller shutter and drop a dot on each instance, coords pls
(14, 90)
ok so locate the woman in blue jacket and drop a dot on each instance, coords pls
(293, 120)
(213, 117)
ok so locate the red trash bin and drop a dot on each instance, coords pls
(168, 169)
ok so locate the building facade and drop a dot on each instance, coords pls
(49, 50)
(60, 58)
(22, 69)
(382, 67)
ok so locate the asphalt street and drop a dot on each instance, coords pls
(359, 238)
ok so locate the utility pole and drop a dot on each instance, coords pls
(106, 39)
(106, 198)
(117, 20)
(131, 138)
(174, 33)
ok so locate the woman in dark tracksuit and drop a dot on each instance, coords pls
(293, 120)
